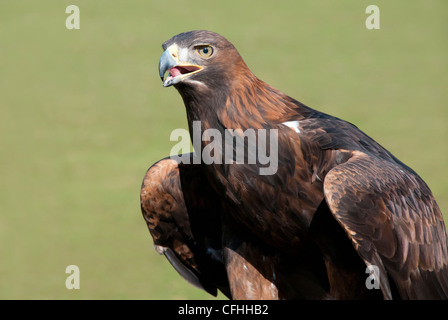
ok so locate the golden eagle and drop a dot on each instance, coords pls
(339, 217)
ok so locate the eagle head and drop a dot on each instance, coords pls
(200, 58)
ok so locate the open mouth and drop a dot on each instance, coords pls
(179, 72)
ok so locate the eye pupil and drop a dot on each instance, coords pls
(205, 51)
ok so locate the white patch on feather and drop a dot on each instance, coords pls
(160, 249)
(293, 125)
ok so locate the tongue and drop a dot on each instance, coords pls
(175, 72)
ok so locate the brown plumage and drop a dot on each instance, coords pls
(184, 224)
(337, 203)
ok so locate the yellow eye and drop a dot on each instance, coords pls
(205, 51)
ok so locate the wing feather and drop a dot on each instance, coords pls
(393, 220)
(183, 219)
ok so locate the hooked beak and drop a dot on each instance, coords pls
(178, 71)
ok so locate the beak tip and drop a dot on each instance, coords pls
(166, 62)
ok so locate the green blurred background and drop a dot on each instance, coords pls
(83, 114)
